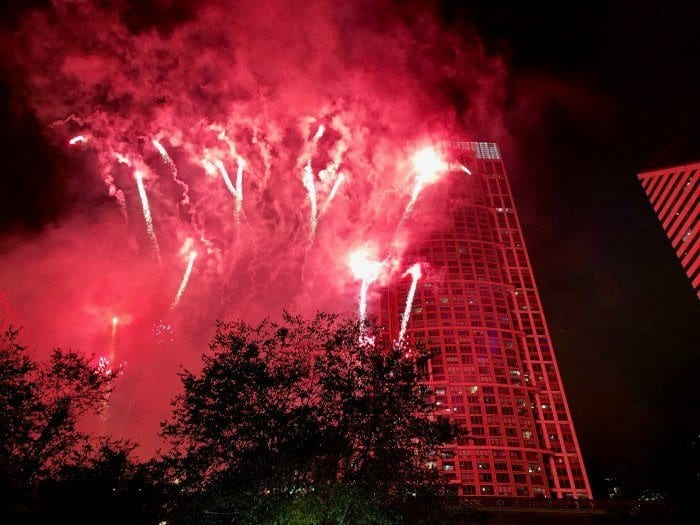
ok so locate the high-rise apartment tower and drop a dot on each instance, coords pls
(674, 194)
(492, 365)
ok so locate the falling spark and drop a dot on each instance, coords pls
(308, 180)
(227, 179)
(115, 322)
(236, 191)
(78, 139)
(367, 271)
(465, 169)
(415, 273)
(427, 165)
(185, 279)
(138, 175)
(113, 339)
(331, 195)
(163, 152)
(239, 188)
(309, 184)
(163, 332)
(104, 367)
(168, 161)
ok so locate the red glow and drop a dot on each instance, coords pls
(363, 267)
(428, 165)
(264, 133)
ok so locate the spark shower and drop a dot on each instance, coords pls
(241, 160)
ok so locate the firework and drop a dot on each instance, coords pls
(185, 280)
(163, 332)
(239, 189)
(316, 147)
(367, 271)
(465, 169)
(138, 175)
(168, 161)
(331, 195)
(227, 180)
(427, 166)
(310, 185)
(104, 366)
(415, 273)
(78, 139)
(308, 179)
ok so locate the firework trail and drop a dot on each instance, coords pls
(367, 271)
(107, 177)
(415, 273)
(465, 169)
(309, 184)
(236, 191)
(319, 132)
(331, 195)
(105, 366)
(168, 161)
(138, 175)
(427, 165)
(185, 280)
(308, 179)
(78, 139)
(115, 322)
(331, 169)
(227, 180)
(239, 189)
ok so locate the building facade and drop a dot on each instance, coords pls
(674, 194)
(492, 365)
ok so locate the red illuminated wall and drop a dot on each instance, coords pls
(674, 194)
(492, 368)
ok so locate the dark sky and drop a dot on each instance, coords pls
(622, 313)
(620, 84)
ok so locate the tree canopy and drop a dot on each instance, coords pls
(321, 420)
(303, 413)
(42, 405)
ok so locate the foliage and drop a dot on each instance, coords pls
(42, 405)
(107, 486)
(283, 414)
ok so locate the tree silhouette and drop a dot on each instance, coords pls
(41, 407)
(303, 414)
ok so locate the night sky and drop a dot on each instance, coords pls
(594, 94)
(622, 314)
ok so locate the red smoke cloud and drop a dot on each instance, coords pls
(229, 82)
